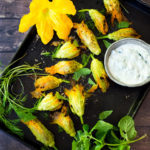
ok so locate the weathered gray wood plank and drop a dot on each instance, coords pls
(13, 8)
(10, 38)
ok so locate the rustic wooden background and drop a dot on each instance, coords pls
(10, 14)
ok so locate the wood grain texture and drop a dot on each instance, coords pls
(10, 38)
(8, 8)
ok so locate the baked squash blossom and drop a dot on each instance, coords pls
(98, 19)
(99, 74)
(68, 50)
(64, 67)
(64, 121)
(41, 133)
(45, 83)
(121, 34)
(76, 97)
(87, 37)
(113, 8)
(49, 16)
(49, 103)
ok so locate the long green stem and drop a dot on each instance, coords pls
(126, 143)
(102, 37)
(66, 81)
(81, 119)
(84, 10)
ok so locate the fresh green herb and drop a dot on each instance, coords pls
(90, 24)
(61, 97)
(85, 59)
(127, 129)
(91, 82)
(80, 73)
(123, 24)
(106, 43)
(55, 50)
(104, 134)
(46, 54)
(105, 114)
(81, 16)
(8, 101)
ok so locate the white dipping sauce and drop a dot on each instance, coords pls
(130, 64)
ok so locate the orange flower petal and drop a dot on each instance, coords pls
(64, 7)
(26, 22)
(62, 24)
(45, 30)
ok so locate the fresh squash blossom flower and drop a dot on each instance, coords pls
(49, 16)
(41, 133)
(76, 97)
(50, 103)
(63, 120)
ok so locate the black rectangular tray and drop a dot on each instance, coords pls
(121, 100)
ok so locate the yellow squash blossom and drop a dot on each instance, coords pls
(49, 16)
(121, 34)
(99, 74)
(64, 67)
(41, 133)
(45, 83)
(64, 121)
(50, 103)
(77, 98)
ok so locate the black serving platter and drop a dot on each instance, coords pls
(121, 100)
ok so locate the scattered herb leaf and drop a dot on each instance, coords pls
(105, 114)
(85, 59)
(80, 73)
(106, 43)
(61, 97)
(91, 82)
(123, 24)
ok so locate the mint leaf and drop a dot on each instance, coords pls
(106, 43)
(127, 128)
(123, 24)
(81, 72)
(85, 59)
(86, 127)
(105, 114)
(91, 82)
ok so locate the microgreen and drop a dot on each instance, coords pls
(80, 73)
(104, 134)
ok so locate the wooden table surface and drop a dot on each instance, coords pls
(10, 14)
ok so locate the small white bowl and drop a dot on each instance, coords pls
(117, 44)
